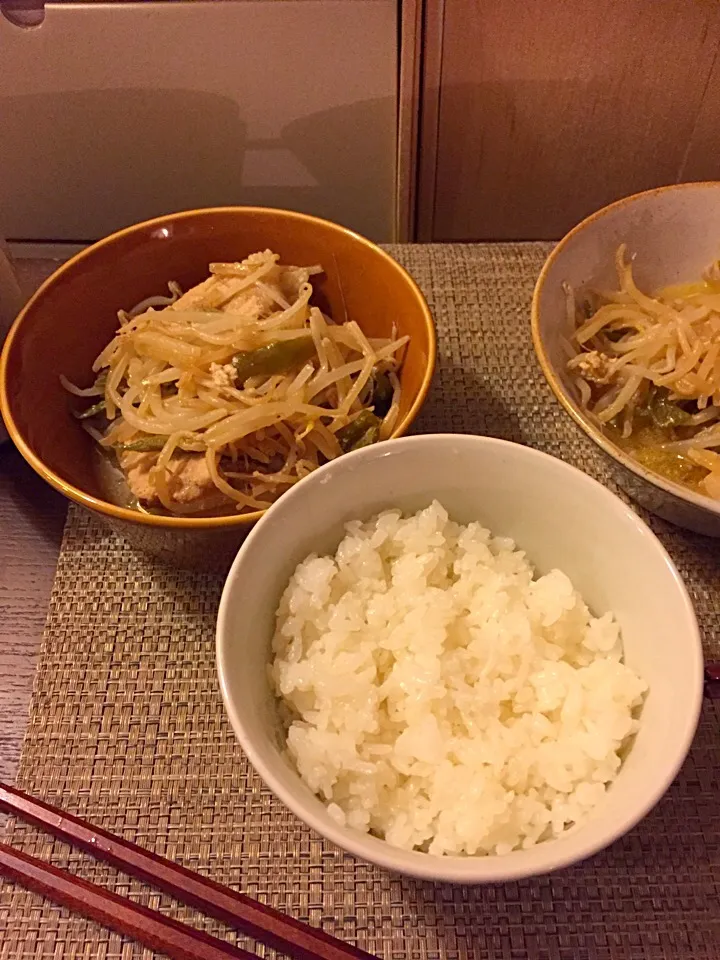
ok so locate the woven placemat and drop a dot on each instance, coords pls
(127, 726)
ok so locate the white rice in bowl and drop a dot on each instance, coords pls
(440, 696)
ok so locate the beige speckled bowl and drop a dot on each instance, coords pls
(675, 234)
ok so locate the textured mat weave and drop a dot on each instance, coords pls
(127, 727)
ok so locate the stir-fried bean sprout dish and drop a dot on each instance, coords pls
(218, 399)
(648, 371)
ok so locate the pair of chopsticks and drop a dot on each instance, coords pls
(149, 927)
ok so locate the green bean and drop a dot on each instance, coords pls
(92, 411)
(152, 441)
(382, 395)
(371, 435)
(356, 433)
(661, 410)
(667, 413)
(142, 444)
(280, 356)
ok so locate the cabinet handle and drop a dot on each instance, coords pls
(25, 14)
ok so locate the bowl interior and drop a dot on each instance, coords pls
(673, 232)
(74, 315)
(561, 518)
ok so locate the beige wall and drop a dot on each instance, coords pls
(112, 113)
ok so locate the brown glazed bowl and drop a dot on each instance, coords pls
(674, 233)
(74, 315)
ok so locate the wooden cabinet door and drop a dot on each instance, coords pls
(537, 112)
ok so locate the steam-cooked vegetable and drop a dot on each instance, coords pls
(280, 356)
(92, 411)
(351, 436)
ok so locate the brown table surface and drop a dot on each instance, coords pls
(32, 515)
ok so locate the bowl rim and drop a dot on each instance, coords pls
(567, 402)
(184, 522)
(454, 869)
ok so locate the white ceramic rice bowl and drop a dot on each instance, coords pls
(561, 518)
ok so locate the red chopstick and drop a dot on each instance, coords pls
(153, 929)
(263, 923)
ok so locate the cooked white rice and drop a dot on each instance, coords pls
(438, 695)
